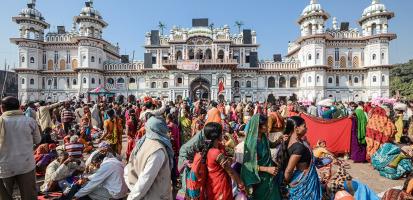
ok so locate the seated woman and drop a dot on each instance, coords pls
(298, 162)
(44, 154)
(405, 194)
(218, 172)
(258, 171)
(391, 162)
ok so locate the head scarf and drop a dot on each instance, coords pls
(156, 129)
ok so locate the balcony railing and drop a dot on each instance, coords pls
(124, 66)
(202, 61)
(278, 65)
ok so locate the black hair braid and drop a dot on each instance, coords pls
(283, 156)
(212, 131)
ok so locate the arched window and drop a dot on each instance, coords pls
(50, 65)
(374, 79)
(356, 79)
(84, 80)
(31, 59)
(132, 80)
(318, 79)
(74, 63)
(343, 62)
(382, 56)
(191, 54)
(110, 81)
(74, 81)
(271, 82)
(309, 56)
(120, 80)
(165, 85)
(179, 81)
(23, 59)
(330, 61)
(383, 78)
(92, 80)
(199, 54)
(49, 82)
(373, 29)
(100, 81)
(178, 55)
(293, 82)
(92, 59)
(282, 82)
(208, 54)
(248, 84)
(355, 61)
(31, 81)
(221, 54)
(62, 64)
(100, 60)
(374, 57)
(236, 84)
(23, 81)
(330, 80)
(153, 85)
(317, 56)
(309, 79)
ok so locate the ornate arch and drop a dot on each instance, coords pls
(343, 63)
(62, 64)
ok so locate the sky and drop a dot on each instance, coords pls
(275, 21)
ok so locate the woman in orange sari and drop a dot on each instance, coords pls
(380, 129)
(113, 130)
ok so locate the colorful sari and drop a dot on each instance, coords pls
(384, 156)
(380, 129)
(399, 127)
(185, 123)
(257, 153)
(115, 131)
(394, 194)
(305, 185)
(358, 136)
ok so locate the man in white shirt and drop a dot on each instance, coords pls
(18, 134)
(107, 183)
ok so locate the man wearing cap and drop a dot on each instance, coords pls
(148, 174)
(18, 134)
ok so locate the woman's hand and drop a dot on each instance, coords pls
(270, 170)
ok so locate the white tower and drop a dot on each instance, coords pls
(30, 43)
(313, 50)
(374, 23)
(91, 52)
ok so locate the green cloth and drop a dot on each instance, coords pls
(264, 185)
(361, 125)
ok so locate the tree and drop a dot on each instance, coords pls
(401, 80)
(239, 24)
(161, 27)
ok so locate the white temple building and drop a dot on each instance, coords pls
(348, 64)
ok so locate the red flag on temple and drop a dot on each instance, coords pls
(220, 87)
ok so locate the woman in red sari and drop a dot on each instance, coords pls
(131, 130)
(218, 179)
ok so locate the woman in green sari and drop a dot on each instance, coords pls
(258, 171)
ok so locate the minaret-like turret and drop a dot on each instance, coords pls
(90, 22)
(312, 19)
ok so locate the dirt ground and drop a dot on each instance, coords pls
(366, 174)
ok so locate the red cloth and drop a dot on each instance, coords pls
(221, 87)
(336, 133)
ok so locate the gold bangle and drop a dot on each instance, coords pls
(258, 168)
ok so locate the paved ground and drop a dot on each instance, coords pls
(366, 174)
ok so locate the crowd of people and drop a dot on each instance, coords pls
(197, 150)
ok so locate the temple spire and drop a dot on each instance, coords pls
(375, 2)
(313, 2)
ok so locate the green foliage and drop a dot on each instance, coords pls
(401, 79)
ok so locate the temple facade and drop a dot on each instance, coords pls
(204, 61)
